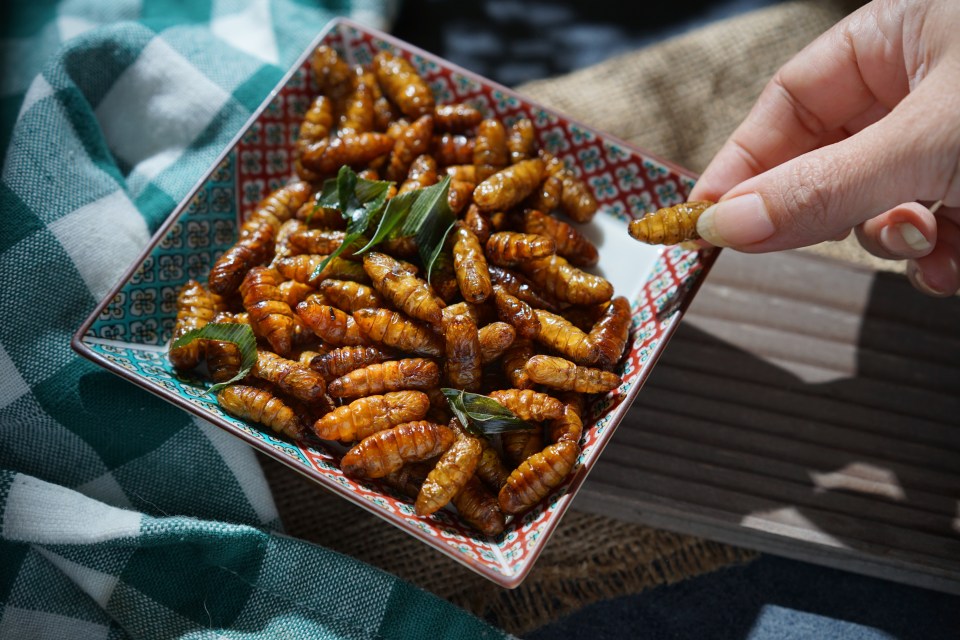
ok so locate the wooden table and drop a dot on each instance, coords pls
(806, 408)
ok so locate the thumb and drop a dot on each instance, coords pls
(822, 194)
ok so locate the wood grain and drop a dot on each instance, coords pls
(805, 407)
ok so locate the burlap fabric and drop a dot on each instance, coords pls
(680, 100)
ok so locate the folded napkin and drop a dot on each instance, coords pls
(120, 515)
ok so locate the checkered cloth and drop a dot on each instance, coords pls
(121, 516)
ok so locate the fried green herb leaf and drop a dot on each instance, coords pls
(482, 415)
(238, 334)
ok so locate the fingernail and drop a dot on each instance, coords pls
(915, 276)
(904, 239)
(736, 222)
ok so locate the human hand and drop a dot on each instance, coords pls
(855, 132)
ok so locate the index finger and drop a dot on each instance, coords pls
(841, 75)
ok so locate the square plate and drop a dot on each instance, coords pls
(128, 332)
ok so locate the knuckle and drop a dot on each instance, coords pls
(806, 197)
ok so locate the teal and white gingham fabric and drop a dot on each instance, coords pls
(120, 515)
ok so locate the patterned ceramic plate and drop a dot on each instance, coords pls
(128, 332)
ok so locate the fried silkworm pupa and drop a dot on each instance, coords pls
(195, 308)
(519, 287)
(454, 149)
(366, 416)
(302, 268)
(508, 187)
(341, 361)
(320, 242)
(609, 336)
(562, 281)
(521, 141)
(318, 217)
(479, 508)
(481, 314)
(576, 200)
(349, 296)
(515, 361)
(462, 347)
(422, 173)
(546, 197)
(282, 245)
(518, 313)
(330, 324)
(537, 476)
(439, 408)
(249, 251)
(494, 340)
(529, 404)
(560, 373)
(395, 330)
(278, 207)
(289, 376)
(459, 195)
(223, 358)
(464, 172)
(358, 115)
(520, 445)
(569, 426)
(403, 85)
(456, 117)
(260, 406)
(559, 334)
(330, 72)
(470, 265)
(670, 225)
(413, 141)
(326, 156)
(478, 223)
(317, 122)
(404, 290)
(570, 243)
(393, 375)
(270, 315)
(490, 153)
(509, 248)
(387, 451)
(455, 467)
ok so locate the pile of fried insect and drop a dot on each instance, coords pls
(355, 339)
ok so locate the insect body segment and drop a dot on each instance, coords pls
(258, 405)
(455, 467)
(371, 414)
(409, 373)
(387, 451)
(195, 308)
(670, 225)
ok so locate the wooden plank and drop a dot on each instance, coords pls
(804, 407)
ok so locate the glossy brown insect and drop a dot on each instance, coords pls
(509, 186)
(270, 315)
(349, 296)
(282, 244)
(519, 287)
(481, 314)
(289, 376)
(490, 467)
(294, 292)
(546, 197)
(330, 72)
(230, 268)
(413, 141)
(318, 217)
(462, 350)
(387, 451)
(342, 360)
(559, 334)
(521, 140)
(470, 265)
(395, 330)
(670, 225)
(563, 281)
(459, 195)
(393, 375)
(326, 156)
(358, 115)
(518, 313)
(490, 153)
(319, 242)
(515, 361)
(454, 468)
(570, 243)
(454, 149)
(520, 445)
(569, 426)
(495, 338)
(223, 358)
(317, 122)
(478, 223)
(302, 268)
(260, 406)
(560, 373)
(479, 508)
(537, 476)
(529, 404)
(576, 200)
(456, 117)
(195, 308)
(422, 173)
(404, 290)
(369, 415)
(509, 248)
(329, 323)
(609, 336)
(278, 207)
(464, 172)
(403, 85)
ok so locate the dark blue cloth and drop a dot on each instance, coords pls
(768, 599)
